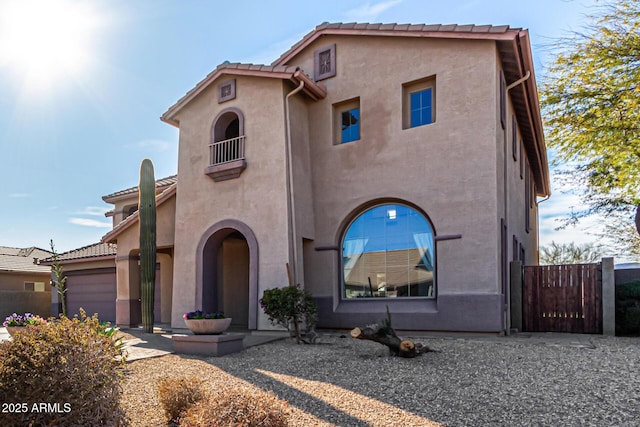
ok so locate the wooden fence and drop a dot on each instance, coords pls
(562, 298)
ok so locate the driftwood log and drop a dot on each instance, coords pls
(383, 333)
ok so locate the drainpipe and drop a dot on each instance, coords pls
(507, 290)
(293, 245)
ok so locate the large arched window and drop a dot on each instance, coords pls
(388, 251)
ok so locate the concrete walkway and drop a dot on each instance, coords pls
(159, 343)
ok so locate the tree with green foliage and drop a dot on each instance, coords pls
(569, 253)
(591, 107)
(289, 307)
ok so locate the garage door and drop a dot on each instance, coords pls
(95, 293)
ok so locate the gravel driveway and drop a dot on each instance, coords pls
(468, 382)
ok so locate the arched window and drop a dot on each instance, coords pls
(227, 137)
(388, 251)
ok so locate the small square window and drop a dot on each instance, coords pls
(421, 108)
(346, 121)
(226, 91)
(325, 62)
(418, 103)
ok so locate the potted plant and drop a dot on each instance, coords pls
(16, 321)
(202, 323)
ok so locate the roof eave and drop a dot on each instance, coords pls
(312, 89)
(112, 236)
(364, 31)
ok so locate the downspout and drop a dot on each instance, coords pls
(507, 290)
(293, 245)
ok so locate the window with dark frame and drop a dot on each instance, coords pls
(388, 251)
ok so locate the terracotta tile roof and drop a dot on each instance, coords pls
(393, 29)
(295, 74)
(111, 236)
(21, 260)
(161, 184)
(96, 250)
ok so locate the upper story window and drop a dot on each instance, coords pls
(388, 251)
(347, 121)
(418, 103)
(227, 147)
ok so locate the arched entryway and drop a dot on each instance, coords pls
(227, 272)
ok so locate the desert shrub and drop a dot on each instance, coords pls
(289, 306)
(179, 394)
(65, 372)
(244, 407)
(628, 309)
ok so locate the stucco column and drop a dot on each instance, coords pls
(608, 297)
(128, 292)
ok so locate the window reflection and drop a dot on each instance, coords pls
(387, 252)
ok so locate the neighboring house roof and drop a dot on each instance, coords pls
(92, 252)
(22, 260)
(133, 219)
(294, 74)
(161, 185)
(514, 49)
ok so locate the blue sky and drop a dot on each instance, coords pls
(83, 84)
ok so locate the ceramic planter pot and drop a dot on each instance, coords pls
(208, 326)
(13, 329)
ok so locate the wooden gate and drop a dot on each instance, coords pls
(562, 298)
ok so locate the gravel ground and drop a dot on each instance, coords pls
(468, 382)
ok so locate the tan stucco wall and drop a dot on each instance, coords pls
(447, 168)
(127, 270)
(257, 198)
(15, 281)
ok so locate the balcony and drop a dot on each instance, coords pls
(226, 159)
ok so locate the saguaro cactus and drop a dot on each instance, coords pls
(147, 211)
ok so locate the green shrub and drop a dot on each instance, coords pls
(179, 394)
(628, 309)
(65, 372)
(245, 407)
(288, 307)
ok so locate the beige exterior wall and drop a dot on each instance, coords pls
(257, 198)
(15, 281)
(127, 268)
(448, 168)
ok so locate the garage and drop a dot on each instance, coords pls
(94, 291)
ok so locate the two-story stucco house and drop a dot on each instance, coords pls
(386, 165)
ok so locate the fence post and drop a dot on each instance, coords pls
(608, 297)
(515, 295)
